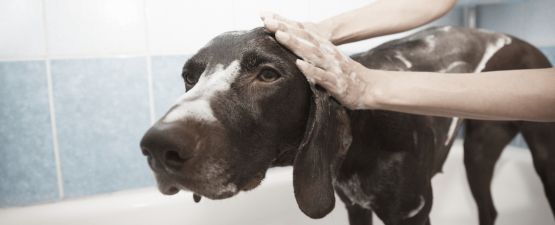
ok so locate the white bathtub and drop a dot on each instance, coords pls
(517, 192)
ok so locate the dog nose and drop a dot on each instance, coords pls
(168, 146)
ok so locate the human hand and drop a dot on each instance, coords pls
(327, 65)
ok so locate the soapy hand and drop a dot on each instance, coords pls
(327, 65)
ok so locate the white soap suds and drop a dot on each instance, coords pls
(407, 63)
(417, 209)
(491, 49)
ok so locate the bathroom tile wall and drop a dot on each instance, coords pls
(531, 21)
(27, 160)
(167, 84)
(95, 27)
(82, 80)
(22, 28)
(102, 110)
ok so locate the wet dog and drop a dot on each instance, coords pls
(247, 108)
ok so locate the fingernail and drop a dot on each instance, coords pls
(271, 23)
(264, 15)
(282, 36)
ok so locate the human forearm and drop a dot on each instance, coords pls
(500, 95)
(383, 17)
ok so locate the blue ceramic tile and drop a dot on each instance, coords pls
(519, 141)
(27, 161)
(504, 18)
(167, 83)
(549, 52)
(540, 22)
(455, 17)
(460, 134)
(102, 111)
(486, 2)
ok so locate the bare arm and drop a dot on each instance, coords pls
(499, 95)
(379, 18)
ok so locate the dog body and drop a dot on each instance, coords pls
(399, 191)
(248, 108)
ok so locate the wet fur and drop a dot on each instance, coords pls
(376, 161)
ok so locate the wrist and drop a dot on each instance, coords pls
(342, 30)
(330, 26)
(376, 88)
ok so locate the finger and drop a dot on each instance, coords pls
(317, 75)
(302, 48)
(264, 15)
(275, 25)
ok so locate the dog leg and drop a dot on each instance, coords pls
(540, 137)
(357, 214)
(422, 217)
(483, 144)
(401, 212)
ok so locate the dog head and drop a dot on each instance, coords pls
(247, 107)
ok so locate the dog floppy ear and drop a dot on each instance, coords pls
(325, 143)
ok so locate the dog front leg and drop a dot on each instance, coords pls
(409, 211)
(357, 214)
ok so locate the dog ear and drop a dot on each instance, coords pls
(325, 143)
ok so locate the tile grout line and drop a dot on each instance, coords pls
(52, 111)
(149, 68)
(54, 130)
(150, 91)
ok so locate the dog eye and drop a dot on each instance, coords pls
(268, 76)
(190, 79)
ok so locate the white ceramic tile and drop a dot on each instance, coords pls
(95, 27)
(247, 11)
(22, 28)
(185, 26)
(323, 9)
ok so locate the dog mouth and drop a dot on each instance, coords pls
(253, 183)
(174, 188)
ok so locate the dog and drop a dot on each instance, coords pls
(247, 108)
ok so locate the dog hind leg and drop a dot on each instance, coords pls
(483, 144)
(540, 137)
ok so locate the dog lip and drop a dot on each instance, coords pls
(254, 182)
(224, 195)
(169, 191)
